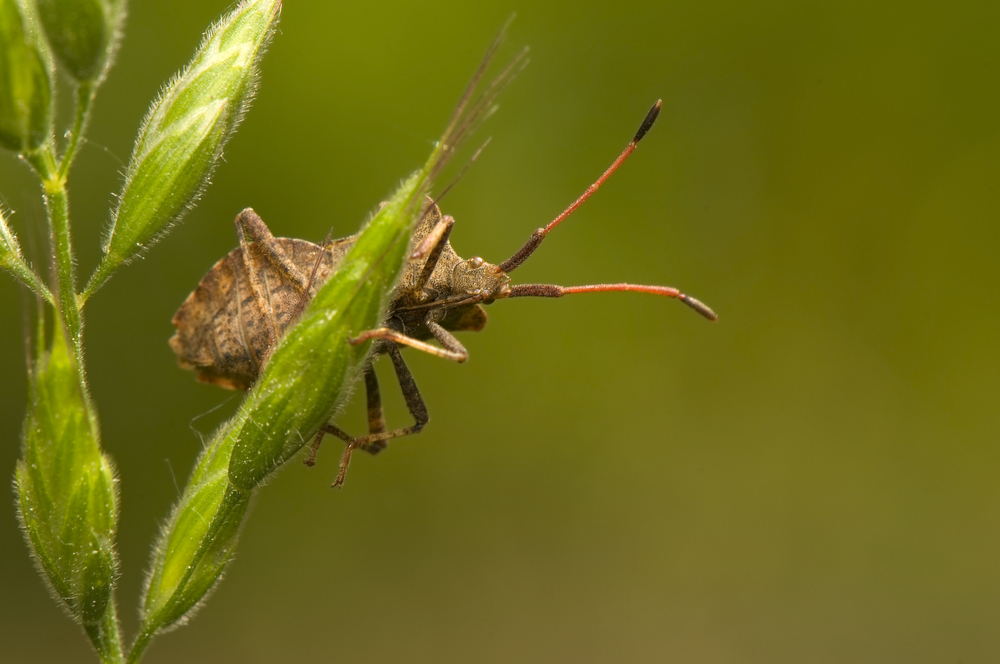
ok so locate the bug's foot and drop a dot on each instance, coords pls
(375, 446)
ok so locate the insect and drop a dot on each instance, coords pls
(227, 326)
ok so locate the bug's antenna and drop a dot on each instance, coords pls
(547, 290)
(536, 238)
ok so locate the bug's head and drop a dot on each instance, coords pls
(478, 278)
(498, 274)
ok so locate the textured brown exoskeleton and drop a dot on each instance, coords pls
(227, 326)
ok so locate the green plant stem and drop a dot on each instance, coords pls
(105, 637)
(57, 206)
(84, 96)
(27, 276)
(105, 634)
(139, 646)
(54, 177)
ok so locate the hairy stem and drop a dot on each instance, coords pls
(104, 634)
(57, 206)
(84, 96)
(105, 638)
(139, 646)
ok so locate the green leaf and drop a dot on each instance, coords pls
(184, 133)
(66, 495)
(25, 82)
(82, 34)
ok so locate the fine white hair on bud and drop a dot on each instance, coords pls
(185, 131)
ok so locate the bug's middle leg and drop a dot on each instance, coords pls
(376, 417)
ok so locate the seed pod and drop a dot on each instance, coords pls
(184, 132)
(25, 82)
(81, 33)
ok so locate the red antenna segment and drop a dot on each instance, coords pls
(536, 238)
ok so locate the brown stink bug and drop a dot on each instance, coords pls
(227, 326)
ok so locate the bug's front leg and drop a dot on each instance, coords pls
(453, 348)
(430, 249)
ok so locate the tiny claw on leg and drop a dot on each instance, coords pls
(313, 449)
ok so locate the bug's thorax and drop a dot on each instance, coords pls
(451, 294)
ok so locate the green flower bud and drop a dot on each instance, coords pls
(10, 250)
(194, 549)
(13, 261)
(66, 496)
(81, 33)
(25, 82)
(89, 525)
(183, 134)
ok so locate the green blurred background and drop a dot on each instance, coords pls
(609, 478)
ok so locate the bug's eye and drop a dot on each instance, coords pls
(475, 262)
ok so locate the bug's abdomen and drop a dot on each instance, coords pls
(222, 332)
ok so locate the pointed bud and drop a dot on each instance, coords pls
(295, 394)
(300, 387)
(13, 261)
(182, 137)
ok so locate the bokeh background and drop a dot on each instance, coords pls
(609, 478)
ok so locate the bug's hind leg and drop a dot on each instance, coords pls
(249, 223)
(375, 441)
(376, 418)
(376, 421)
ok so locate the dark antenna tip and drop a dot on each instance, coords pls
(700, 307)
(648, 122)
